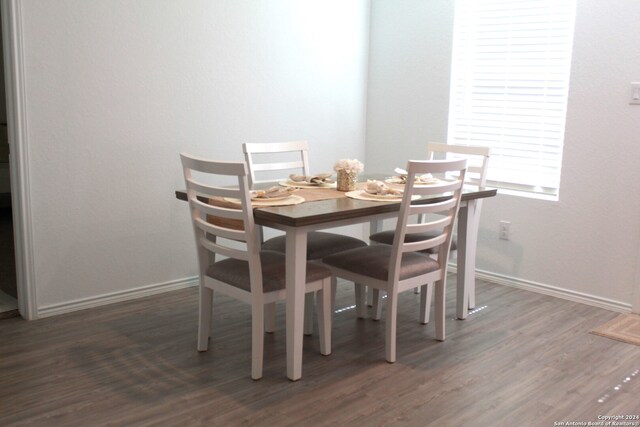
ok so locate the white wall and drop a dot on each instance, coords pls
(586, 244)
(409, 69)
(115, 89)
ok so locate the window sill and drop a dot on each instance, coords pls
(528, 194)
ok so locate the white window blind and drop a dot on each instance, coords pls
(509, 84)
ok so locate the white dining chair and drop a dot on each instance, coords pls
(267, 163)
(404, 265)
(246, 273)
(477, 167)
(477, 159)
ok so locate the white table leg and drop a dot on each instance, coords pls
(462, 289)
(296, 259)
(472, 244)
(468, 222)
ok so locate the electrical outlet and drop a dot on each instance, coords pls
(635, 93)
(503, 233)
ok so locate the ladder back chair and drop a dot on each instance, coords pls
(404, 265)
(268, 159)
(477, 167)
(274, 158)
(477, 159)
(246, 273)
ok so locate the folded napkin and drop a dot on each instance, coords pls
(276, 192)
(379, 188)
(419, 179)
(321, 178)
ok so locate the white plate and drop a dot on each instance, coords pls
(382, 196)
(363, 195)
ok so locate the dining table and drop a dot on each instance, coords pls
(328, 208)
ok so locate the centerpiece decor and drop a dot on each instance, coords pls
(348, 170)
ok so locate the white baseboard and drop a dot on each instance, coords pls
(553, 291)
(97, 301)
(500, 279)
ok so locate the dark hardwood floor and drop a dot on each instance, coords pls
(523, 359)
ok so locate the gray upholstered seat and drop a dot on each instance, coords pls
(235, 272)
(403, 265)
(319, 244)
(245, 272)
(386, 237)
(373, 261)
(478, 158)
(273, 158)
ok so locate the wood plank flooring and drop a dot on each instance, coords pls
(523, 359)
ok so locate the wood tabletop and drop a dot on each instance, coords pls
(343, 208)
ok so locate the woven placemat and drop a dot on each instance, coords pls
(363, 195)
(625, 328)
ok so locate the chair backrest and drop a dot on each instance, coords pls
(477, 159)
(437, 216)
(207, 200)
(268, 157)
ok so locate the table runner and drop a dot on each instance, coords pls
(309, 195)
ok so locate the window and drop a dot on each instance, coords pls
(509, 84)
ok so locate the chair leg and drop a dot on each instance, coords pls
(377, 304)
(425, 303)
(257, 340)
(324, 317)
(440, 305)
(204, 317)
(334, 289)
(361, 309)
(391, 320)
(270, 317)
(369, 291)
(309, 305)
